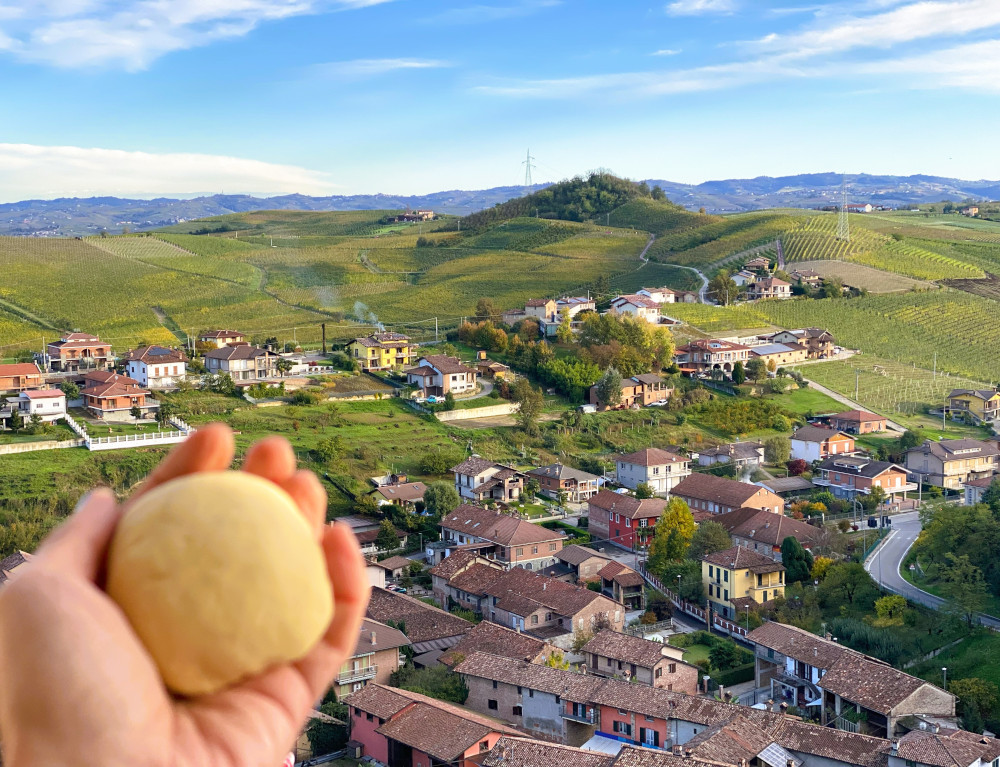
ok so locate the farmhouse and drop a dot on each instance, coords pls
(769, 287)
(780, 354)
(622, 519)
(558, 478)
(644, 661)
(437, 375)
(718, 495)
(382, 351)
(375, 658)
(706, 355)
(740, 579)
(79, 351)
(114, 398)
(404, 494)
(806, 277)
(814, 443)
(744, 277)
(479, 479)
(637, 391)
(47, 404)
(858, 422)
(819, 343)
(156, 367)
(859, 207)
(582, 564)
(976, 406)
(950, 462)
(20, 377)
(972, 211)
(542, 309)
(494, 370)
(637, 307)
(502, 538)
(849, 476)
(221, 338)
(242, 363)
(659, 469)
(765, 531)
(659, 295)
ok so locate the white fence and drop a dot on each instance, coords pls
(137, 440)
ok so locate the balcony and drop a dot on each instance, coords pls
(357, 674)
(587, 718)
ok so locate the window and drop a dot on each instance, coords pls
(710, 571)
(534, 549)
(628, 522)
(357, 712)
(381, 721)
(725, 576)
(609, 662)
(369, 717)
(516, 711)
(558, 700)
(491, 705)
(726, 595)
(534, 620)
(656, 470)
(552, 547)
(672, 668)
(548, 616)
(623, 728)
(484, 746)
(531, 693)
(670, 686)
(520, 552)
(649, 719)
(618, 517)
(659, 673)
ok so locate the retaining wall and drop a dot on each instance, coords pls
(477, 412)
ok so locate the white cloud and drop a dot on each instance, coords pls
(666, 52)
(699, 7)
(73, 33)
(361, 68)
(31, 171)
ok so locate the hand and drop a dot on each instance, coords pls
(76, 685)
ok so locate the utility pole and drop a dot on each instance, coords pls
(435, 328)
(322, 326)
(528, 166)
(857, 379)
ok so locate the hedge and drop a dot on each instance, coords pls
(744, 673)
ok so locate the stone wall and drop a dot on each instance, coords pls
(508, 408)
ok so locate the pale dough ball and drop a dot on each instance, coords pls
(221, 577)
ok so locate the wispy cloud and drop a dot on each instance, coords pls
(700, 7)
(482, 14)
(666, 52)
(28, 170)
(359, 69)
(74, 33)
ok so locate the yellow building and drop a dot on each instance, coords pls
(737, 579)
(977, 406)
(383, 351)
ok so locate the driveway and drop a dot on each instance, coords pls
(892, 425)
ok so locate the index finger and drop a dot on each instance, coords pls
(210, 448)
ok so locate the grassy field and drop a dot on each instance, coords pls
(965, 660)
(865, 277)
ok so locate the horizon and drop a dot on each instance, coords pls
(342, 97)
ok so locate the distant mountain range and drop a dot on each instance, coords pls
(83, 216)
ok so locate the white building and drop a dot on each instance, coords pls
(659, 295)
(48, 404)
(661, 470)
(638, 308)
(156, 367)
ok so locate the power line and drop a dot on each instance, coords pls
(843, 223)
(528, 167)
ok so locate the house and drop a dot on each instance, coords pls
(659, 295)
(431, 631)
(939, 746)
(765, 531)
(114, 398)
(494, 370)
(510, 541)
(972, 211)
(437, 375)
(769, 287)
(819, 343)
(859, 422)
(382, 351)
(637, 307)
(221, 338)
(739, 579)
(637, 391)
(744, 277)
(479, 479)
(399, 728)
(806, 278)
(574, 305)
(366, 530)
(583, 564)
(758, 264)
(375, 658)
(546, 702)
(860, 207)
(622, 519)
(47, 404)
(746, 456)
(462, 579)
(780, 354)
(78, 351)
(558, 478)
(814, 443)
(950, 462)
(156, 367)
(975, 489)
(787, 487)
(719, 495)
(976, 406)
(494, 639)
(523, 752)
(660, 469)
(20, 377)
(708, 354)
(542, 309)
(395, 567)
(846, 689)
(242, 363)
(624, 585)
(405, 494)
(639, 660)
(849, 476)
(548, 608)
(11, 563)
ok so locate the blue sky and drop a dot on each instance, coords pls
(363, 96)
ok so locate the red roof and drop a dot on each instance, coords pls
(19, 369)
(117, 386)
(43, 393)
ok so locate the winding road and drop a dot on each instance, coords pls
(702, 291)
(905, 529)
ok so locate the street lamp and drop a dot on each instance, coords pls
(944, 674)
(678, 588)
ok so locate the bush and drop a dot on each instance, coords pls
(735, 675)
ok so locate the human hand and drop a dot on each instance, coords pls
(78, 687)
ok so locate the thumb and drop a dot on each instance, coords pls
(80, 544)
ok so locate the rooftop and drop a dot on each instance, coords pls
(494, 639)
(857, 416)
(377, 636)
(570, 685)
(767, 527)
(708, 487)
(627, 506)
(424, 624)
(445, 364)
(575, 555)
(502, 529)
(561, 471)
(612, 644)
(740, 558)
(651, 456)
(521, 752)
(818, 434)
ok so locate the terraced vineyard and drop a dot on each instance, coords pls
(914, 261)
(718, 318)
(653, 275)
(709, 244)
(861, 276)
(816, 239)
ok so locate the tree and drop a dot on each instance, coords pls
(991, 497)
(672, 536)
(963, 586)
(908, 440)
(739, 373)
(557, 660)
(440, 499)
(486, 309)
(978, 694)
(324, 737)
(564, 333)
(70, 389)
(438, 462)
(890, 610)
(722, 288)
(328, 450)
(366, 505)
(283, 366)
(387, 540)
(449, 401)
(756, 369)
(797, 561)
(820, 567)
(271, 343)
(709, 538)
(777, 450)
(166, 411)
(644, 490)
(609, 388)
(847, 583)
(136, 412)
(436, 682)
(724, 655)
(531, 402)
(874, 500)
(797, 467)
(772, 366)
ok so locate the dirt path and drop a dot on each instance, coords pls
(893, 426)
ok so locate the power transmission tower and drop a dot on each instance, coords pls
(843, 224)
(528, 167)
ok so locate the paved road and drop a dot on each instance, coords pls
(702, 291)
(884, 565)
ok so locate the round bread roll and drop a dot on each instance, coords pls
(221, 577)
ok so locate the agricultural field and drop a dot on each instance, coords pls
(719, 318)
(653, 275)
(864, 277)
(706, 245)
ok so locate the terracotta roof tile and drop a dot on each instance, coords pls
(740, 558)
(612, 644)
(423, 622)
(652, 456)
(494, 639)
(708, 487)
(521, 752)
(497, 527)
(570, 685)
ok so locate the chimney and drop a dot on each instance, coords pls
(784, 708)
(687, 753)
(790, 763)
(676, 749)
(815, 652)
(937, 728)
(583, 669)
(770, 705)
(894, 747)
(373, 639)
